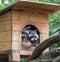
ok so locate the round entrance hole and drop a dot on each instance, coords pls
(30, 36)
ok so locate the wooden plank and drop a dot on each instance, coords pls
(43, 28)
(6, 16)
(4, 52)
(38, 5)
(33, 10)
(21, 19)
(27, 16)
(5, 36)
(33, 4)
(5, 26)
(43, 37)
(5, 46)
(15, 36)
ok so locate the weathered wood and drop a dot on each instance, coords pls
(5, 26)
(48, 7)
(5, 31)
(21, 19)
(6, 16)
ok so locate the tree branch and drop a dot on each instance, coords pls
(57, 59)
(45, 44)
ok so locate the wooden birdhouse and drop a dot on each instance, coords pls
(23, 25)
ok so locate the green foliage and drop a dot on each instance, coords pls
(4, 3)
(11, 0)
(54, 46)
(54, 26)
(23, 60)
(57, 1)
(54, 22)
(51, 1)
(1, 6)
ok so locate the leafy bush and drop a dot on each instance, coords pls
(54, 26)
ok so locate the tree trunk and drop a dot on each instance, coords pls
(57, 59)
(45, 44)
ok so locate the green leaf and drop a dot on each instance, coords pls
(2, 6)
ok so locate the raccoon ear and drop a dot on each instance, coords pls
(35, 30)
(29, 27)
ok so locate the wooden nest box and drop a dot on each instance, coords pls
(23, 25)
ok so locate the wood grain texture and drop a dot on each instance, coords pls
(20, 20)
(5, 31)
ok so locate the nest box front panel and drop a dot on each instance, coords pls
(29, 29)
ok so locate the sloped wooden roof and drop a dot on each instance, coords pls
(40, 6)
